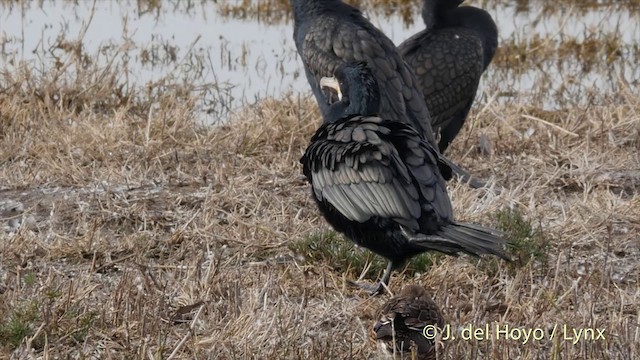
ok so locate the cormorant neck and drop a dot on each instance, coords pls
(367, 103)
(429, 14)
(306, 8)
(337, 111)
(434, 11)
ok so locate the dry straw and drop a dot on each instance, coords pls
(146, 235)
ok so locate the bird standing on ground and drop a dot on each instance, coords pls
(448, 59)
(401, 322)
(377, 181)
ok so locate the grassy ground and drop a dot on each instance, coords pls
(128, 230)
(145, 235)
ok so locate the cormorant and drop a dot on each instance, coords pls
(403, 318)
(328, 33)
(448, 59)
(377, 180)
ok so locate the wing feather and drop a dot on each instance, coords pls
(361, 177)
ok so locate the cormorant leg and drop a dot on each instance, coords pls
(387, 275)
(466, 177)
(379, 287)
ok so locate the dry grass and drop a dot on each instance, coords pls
(131, 231)
(151, 236)
(274, 11)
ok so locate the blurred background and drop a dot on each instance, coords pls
(552, 54)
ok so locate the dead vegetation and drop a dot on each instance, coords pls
(129, 230)
(153, 236)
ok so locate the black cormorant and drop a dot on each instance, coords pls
(448, 59)
(401, 323)
(377, 180)
(328, 33)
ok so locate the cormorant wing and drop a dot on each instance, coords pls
(331, 43)
(448, 64)
(359, 172)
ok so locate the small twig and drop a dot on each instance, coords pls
(147, 133)
(187, 335)
(550, 124)
(186, 55)
(111, 263)
(35, 335)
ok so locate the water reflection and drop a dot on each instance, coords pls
(238, 61)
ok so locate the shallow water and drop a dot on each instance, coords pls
(246, 60)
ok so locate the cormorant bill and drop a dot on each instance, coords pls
(402, 320)
(378, 182)
(448, 59)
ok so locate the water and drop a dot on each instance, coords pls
(246, 60)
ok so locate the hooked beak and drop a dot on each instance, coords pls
(332, 83)
(383, 330)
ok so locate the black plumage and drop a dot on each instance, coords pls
(328, 33)
(401, 323)
(378, 182)
(448, 59)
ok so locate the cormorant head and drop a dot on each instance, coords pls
(357, 90)
(310, 9)
(434, 10)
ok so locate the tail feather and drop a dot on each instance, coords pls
(454, 238)
(475, 239)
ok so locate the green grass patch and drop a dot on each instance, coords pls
(29, 279)
(526, 241)
(84, 325)
(19, 324)
(344, 256)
